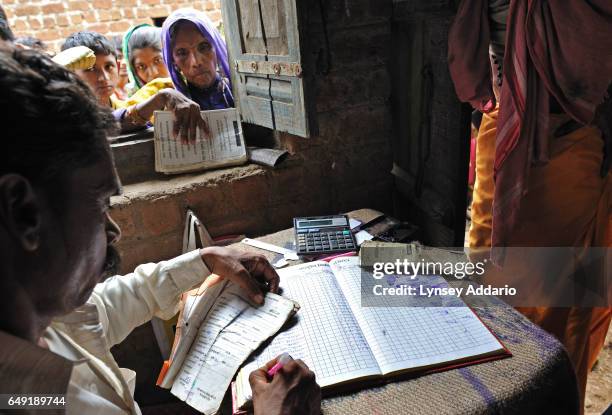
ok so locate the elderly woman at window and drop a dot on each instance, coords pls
(195, 55)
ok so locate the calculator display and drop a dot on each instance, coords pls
(315, 223)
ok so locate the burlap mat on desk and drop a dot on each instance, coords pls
(537, 379)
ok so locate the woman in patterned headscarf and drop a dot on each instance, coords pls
(196, 57)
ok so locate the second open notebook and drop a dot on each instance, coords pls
(343, 342)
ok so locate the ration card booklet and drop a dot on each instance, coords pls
(342, 342)
(216, 331)
(225, 147)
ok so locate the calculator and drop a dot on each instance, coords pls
(323, 235)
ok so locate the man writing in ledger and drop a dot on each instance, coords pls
(58, 319)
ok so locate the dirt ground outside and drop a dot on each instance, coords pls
(599, 384)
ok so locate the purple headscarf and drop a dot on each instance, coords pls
(208, 30)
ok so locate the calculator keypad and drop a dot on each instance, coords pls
(324, 241)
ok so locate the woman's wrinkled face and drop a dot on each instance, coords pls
(194, 55)
(149, 64)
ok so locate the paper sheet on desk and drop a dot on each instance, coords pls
(229, 334)
(362, 236)
(194, 309)
(354, 223)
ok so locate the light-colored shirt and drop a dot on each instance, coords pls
(79, 362)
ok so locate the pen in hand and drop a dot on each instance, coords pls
(282, 361)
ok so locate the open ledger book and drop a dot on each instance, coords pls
(343, 342)
(217, 330)
(224, 148)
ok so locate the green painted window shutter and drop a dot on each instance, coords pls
(266, 64)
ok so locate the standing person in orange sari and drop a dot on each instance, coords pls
(543, 154)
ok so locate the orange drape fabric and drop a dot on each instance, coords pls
(567, 203)
(479, 235)
(547, 58)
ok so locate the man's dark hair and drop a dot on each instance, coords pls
(53, 123)
(94, 41)
(5, 30)
(31, 42)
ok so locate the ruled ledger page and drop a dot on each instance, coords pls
(325, 334)
(412, 336)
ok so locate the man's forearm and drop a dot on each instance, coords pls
(128, 301)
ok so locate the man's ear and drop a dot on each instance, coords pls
(20, 211)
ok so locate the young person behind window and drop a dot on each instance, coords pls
(103, 76)
(142, 49)
(31, 42)
(121, 88)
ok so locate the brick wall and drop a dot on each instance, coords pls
(347, 166)
(52, 21)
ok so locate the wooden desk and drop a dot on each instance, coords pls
(537, 379)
